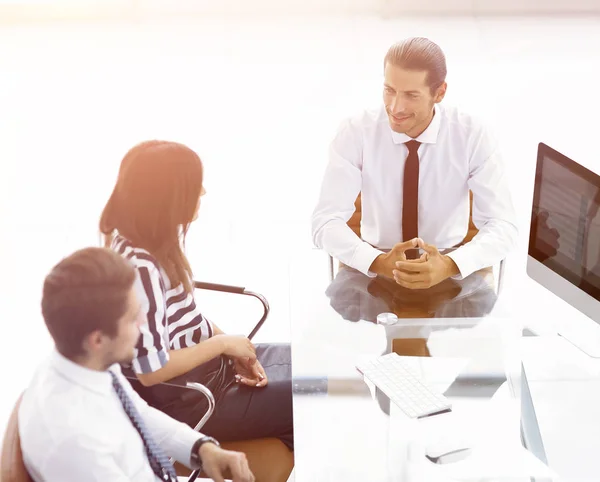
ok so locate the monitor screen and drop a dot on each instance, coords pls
(565, 221)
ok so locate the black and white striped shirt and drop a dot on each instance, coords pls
(174, 321)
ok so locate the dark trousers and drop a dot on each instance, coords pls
(241, 412)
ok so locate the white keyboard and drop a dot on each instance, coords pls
(393, 375)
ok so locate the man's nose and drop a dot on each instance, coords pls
(397, 105)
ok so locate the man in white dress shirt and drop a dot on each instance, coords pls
(414, 162)
(80, 419)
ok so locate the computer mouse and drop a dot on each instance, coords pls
(447, 451)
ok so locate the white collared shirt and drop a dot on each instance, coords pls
(457, 154)
(73, 427)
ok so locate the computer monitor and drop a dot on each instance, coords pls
(564, 241)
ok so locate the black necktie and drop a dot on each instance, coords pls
(410, 196)
(159, 462)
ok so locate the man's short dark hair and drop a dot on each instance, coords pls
(85, 292)
(419, 54)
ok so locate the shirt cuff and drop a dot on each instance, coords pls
(363, 258)
(181, 443)
(463, 261)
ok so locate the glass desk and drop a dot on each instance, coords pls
(461, 343)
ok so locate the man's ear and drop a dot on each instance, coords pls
(93, 341)
(440, 93)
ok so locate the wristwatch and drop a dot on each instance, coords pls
(195, 461)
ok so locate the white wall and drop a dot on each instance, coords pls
(24, 11)
(260, 100)
(490, 7)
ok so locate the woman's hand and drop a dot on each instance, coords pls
(250, 372)
(237, 346)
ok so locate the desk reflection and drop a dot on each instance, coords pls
(357, 297)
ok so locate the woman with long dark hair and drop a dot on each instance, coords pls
(156, 198)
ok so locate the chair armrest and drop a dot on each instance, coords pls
(191, 386)
(201, 285)
(211, 402)
(501, 276)
(238, 290)
(331, 269)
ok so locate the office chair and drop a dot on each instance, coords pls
(12, 467)
(354, 224)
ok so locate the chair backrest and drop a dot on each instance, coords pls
(12, 467)
(354, 221)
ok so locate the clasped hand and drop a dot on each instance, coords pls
(428, 270)
(242, 352)
(249, 372)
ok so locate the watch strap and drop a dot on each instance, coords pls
(196, 461)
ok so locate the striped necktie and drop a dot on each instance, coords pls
(159, 462)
